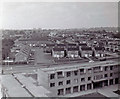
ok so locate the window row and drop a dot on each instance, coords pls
(69, 82)
(81, 71)
(74, 89)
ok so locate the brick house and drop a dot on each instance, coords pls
(23, 54)
(86, 51)
(48, 48)
(73, 52)
(99, 52)
(58, 52)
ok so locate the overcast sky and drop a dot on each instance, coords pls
(59, 15)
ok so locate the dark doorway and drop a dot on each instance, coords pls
(106, 83)
(97, 85)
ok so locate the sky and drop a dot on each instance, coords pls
(24, 15)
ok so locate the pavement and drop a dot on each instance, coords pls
(108, 91)
(41, 57)
(100, 92)
(33, 68)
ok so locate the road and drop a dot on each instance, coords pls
(29, 68)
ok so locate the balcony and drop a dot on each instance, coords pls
(97, 71)
(60, 76)
(82, 73)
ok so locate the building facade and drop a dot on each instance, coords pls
(64, 80)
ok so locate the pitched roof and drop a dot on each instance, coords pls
(62, 45)
(71, 44)
(73, 49)
(58, 49)
(82, 44)
(50, 45)
(99, 48)
(25, 50)
(86, 48)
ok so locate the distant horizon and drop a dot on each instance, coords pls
(58, 28)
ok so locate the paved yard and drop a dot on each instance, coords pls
(41, 57)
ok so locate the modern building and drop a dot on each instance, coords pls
(67, 79)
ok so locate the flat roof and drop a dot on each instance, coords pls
(13, 87)
(65, 67)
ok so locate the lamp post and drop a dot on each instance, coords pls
(8, 61)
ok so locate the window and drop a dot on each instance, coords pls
(106, 68)
(60, 91)
(90, 70)
(68, 74)
(68, 90)
(82, 87)
(116, 66)
(89, 78)
(60, 83)
(81, 70)
(97, 69)
(52, 76)
(76, 72)
(111, 67)
(82, 79)
(97, 77)
(88, 86)
(52, 84)
(68, 82)
(59, 73)
(75, 89)
(111, 74)
(106, 75)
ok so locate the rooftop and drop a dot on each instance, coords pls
(58, 49)
(99, 48)
(82, 44)
(86, 48)
(73, 49)
(69, 67)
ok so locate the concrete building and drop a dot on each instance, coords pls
(64, 80)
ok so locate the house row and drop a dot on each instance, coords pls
(23, 54)
(78, 52)
(48, 47)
